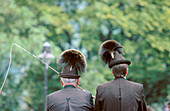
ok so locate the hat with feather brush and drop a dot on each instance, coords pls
(74, 62)
(111, 52)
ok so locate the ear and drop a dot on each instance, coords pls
(61, 82)
(111, 70)
(77, 81)
(127, 71)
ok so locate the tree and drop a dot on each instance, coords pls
(142, 27)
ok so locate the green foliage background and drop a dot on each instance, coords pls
(141, 26)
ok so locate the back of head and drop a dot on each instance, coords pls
(68, 80)
(119, 70)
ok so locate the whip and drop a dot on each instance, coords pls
(14, 44)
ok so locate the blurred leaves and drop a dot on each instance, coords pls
(142, 27)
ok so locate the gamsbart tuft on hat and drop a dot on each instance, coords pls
(108, 49)
(110, 52)
(74, 62)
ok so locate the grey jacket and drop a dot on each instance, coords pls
(69, 99)
(120, 95)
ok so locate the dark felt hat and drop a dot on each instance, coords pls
(67, 72)
(118, 59)
(74, 62)
(107, 50)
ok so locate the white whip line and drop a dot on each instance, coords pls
(34, 57)
(8, 66)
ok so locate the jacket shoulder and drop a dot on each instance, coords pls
(107, 84)
(84, 92)
(135, 83)
(54, 93)
(104, 85)
(76, 91)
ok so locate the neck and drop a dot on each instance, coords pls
(69, 84)
(120, 77)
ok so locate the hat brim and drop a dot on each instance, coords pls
(69, 76)
(119, 62)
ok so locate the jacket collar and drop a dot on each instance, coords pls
(69, 86)
(120, 78)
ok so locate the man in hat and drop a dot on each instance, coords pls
(70, 98)
(118, 94)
